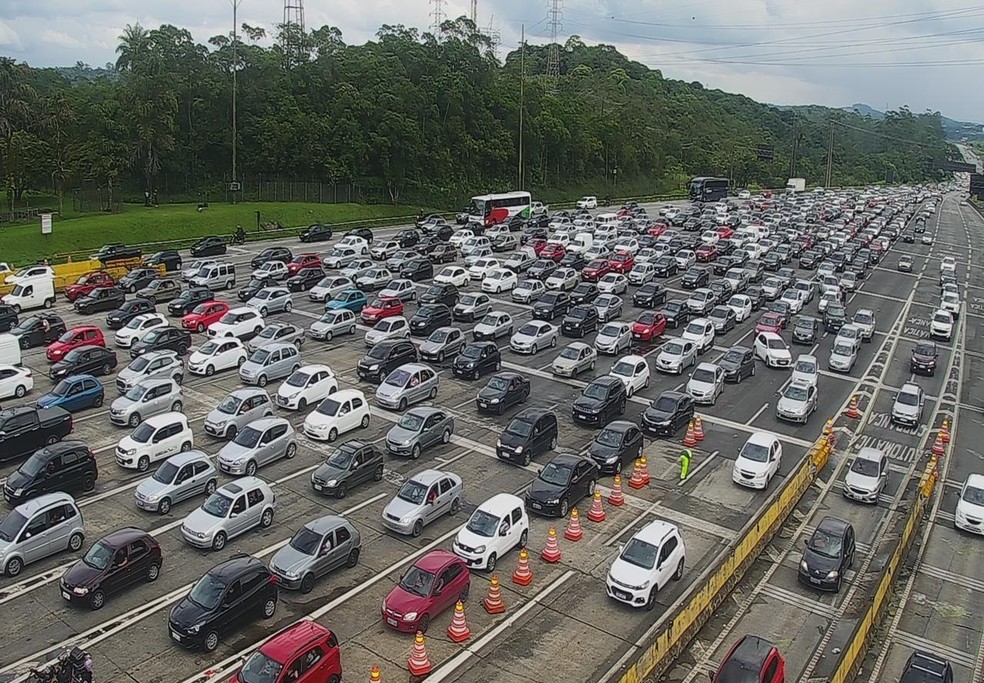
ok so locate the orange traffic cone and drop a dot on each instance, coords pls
(698, 428)
(374, 675)
(690, 440)
(637, 481)
(458, 631)
(852, 408)
(523, 576)
(644, 470)
(945, 431)
(939, 450)
(574, 531)
(492, 602)
(597, 512)
(552, 552)
(616, 497)
(418, 663)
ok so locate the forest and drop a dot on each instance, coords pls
(414, 118)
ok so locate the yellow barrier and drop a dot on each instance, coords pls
(682, 626)
(853, 654)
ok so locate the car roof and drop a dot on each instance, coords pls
(125, 535)
(165, 418)
(807, 357)
(425, 411)
(606, 380)
(235, 566)
(323, 525)
(241, 484)
(46, 500)
(621, 426)
(436, 559)
(654, 532)
(762, 438)
(155, 381)
(247, 392)
(909, 388)
(180, 459)
(243, 309)
(293, 639)
(569, 459)
(264, 423)
(345, 394)
(833, 524)
(534, 414)
(501, 501)
(752, 651)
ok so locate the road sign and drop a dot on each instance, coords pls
(46, 224)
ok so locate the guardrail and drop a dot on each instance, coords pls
(716, 583)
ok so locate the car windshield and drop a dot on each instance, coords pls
(705, 375)
(468, 300)
(806, 367)
(520, 428)
(973, 495)
(306, 541)
(865, 467)
(208, 591)
(217, 505)
(417, 581)
(610, 331)
(776, 343)
(579, 313)
(733, 357)
(640, 553)
(925, 350)
(135, 393)
(398, 378)
(755, 452)
(33, 465)
(609, 437)
(298, 379)
(595, 390)
(498, 384)
(673, 349)
(843, 350)
(165, 473)
(67, 336)
(99, 555)
(908, 398)
(825, 543)
(135, 324)
(229, 405)
(206, 349)
(412, 492)
(143, 433)
(11, 526)
(268, 332)
(720, 313)
(229, 318)
(260, 356)
(260, 669)
(835, 311)
(804, 324)
(556, 475)
(624, 369)
(248, 437)
(530, 330)
(795, 392)
(472, 352)
(664, 404)
(328, 407)
(942, 318)
(483, 523)
(411, 422)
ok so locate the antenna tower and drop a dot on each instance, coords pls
(293, 30)
(474, 14)
(555, 19)
(439, 16)
(493, 35)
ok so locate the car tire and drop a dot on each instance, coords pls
(186, 446)
(261, 381)
(403, 405)
(288, 306)
(533, 350)
(97, 600)
(210, 487)
(651, 600)
(267, 518)
(490, 563)
(307, 584)
(415, 451)
(230, 433)
(340, 491)
(143, 464)
(251, 468)
(564, 507)
(106, 369)
(365, 421)
(134, 420)
(164, 506)
(418, 528)
(75, 542)
(14, 567)
(153, 573)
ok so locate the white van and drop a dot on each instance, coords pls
(10, 350)
(216, 276)
(607, 220)
(33, 293)
(582, 242)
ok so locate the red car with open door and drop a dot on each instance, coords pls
(83, 335)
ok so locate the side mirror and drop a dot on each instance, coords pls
(233, 515)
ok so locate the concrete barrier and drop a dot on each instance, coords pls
(714, 585)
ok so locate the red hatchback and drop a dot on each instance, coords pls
(77, 336)
(596, 270)
(621, 262)
(302, 261)
(707, 253)
(658, 229)
(538, 244)
(725, 231)
(770, 322)
(751, 660)
(432, 585)
(553, 251)
(203, 315)
(87, 283)
(648, 326)
(383, 307)
(304, 652)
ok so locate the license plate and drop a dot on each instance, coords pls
(815, 581)
(536, 506)
(391, 622)
(318, 487)
(176, 636)
(581, 416)
(623, 595)
(66, 595)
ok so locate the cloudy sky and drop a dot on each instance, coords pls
(927, 54)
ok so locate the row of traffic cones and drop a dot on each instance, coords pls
(419, 663)
(695, 432)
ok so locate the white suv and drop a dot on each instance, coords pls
(653, 557)
(238, 322)
(758, 461)
(157, 438)
(941, 326)
(497, 526)
(137, 328)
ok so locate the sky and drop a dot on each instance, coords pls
(926, 54)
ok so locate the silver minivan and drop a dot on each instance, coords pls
(153, 364)
(232, 510)
(259, 443)
(333, 323)
(408, 384)
(39, 528)
(320, 546)
(216, 276)
(270, 362)
(236, 410)
(271, 300)
(152, 396)
(180, 477)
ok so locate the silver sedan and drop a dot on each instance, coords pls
(271, 300)
(573, 359)
(609, 307)
(420, 502)
(533, 336)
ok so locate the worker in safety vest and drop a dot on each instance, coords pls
(685, 458)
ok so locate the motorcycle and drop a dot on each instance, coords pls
(239, 238)
(73, 666)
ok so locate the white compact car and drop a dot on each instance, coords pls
(742, 306)
(341, 412)
(758, 461)
(499, 280)
(276, 270)
(138, 328)
(654, 556)
(701, 332)
(15, 381)
(633, 371)
(156, 438)
(613, 338)
(772, 349)
(794, 298)
(308, 385)
(941, 326)
(969, 514)
(452, 275)
(497, 526)
(394, 327)
(613, 283)
(483, 267)
(238, 322)
(806, 369)
(218, 354)
(676, 355)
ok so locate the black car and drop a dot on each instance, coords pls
(618, 443)
(665, 266)
(475, 359)
(417, 269)
(806, 330)
(315, 233)
(209, 246)
(924, 358)
(138, 278)
(407, 238)
(723, 264)
(116, 251)
(8, 318)
(771, 262)
(676, 313)
(924, 667)
(84, 360)
(828, 555)
(580, 321)
(186, 302)
(127, 311)
(696, 276)
(39, 330)
(440, 293)
(531, 432)
(443, 253)
(364, 233)
(550, 305)
(600, 401)
(562, 482)
(757, 296)
(584, 293)
(229, 596)
(834, 317)
(118, 560)
(809, 260)
(64, 466)
(738, 363)
(908, 238)
(384, 358)
(573, 259)
(542, 269)
(100, 299)
(161, 339)
(650, 295)
(503, 391)
(169, 258)
(428, 318)
(255, 285)
(305, 279)
(272, 254)
(668, 413)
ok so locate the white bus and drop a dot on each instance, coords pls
(493, 209)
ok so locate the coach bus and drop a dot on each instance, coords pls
(493, 209)
(708, 189)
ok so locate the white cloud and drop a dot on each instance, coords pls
(835, 52)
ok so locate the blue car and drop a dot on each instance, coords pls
(349, 299)
(74, 393)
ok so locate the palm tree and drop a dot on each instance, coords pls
(133, 41)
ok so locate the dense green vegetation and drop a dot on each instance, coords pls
(411, 119)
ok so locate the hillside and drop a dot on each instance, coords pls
(955, 130)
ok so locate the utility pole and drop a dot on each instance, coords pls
(234, 183)
(830, 157)
(522, 87)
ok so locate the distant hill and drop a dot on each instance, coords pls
(955, 130)
(83, 72)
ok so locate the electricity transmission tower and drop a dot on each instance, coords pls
(293, 30)
(555, 19)
(438, 15)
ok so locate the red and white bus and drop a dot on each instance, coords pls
(493, 209)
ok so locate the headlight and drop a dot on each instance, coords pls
(494, 401)
(406, 520)
(195, 629)
(153, 497)
(553, 501)
(410, 616)
(132, 451)
(832, 574)
(291, 575)
(804, 566)
(480, 549)
(470, 366)
(519, 449)
(373, 368)
(80, 590)
(331, 483)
